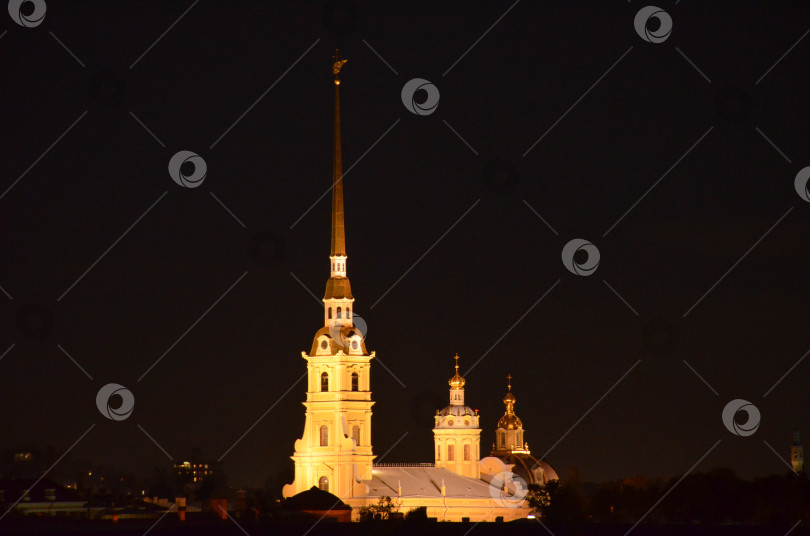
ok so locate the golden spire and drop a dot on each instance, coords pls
(338, 228)
(456, 382)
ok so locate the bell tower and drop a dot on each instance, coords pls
(456, 433)
(334, 451)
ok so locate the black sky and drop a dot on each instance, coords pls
(401, 197)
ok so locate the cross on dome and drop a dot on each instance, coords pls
(456, 382)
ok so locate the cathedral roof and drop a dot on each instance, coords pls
(424, 482)
(338, 287)
(457, 411)
(338, 338)
(529, 468)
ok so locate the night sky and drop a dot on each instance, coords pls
(697, 101)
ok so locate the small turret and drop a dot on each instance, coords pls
(797, 453)
(509, 433)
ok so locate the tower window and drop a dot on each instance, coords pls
(324, 436)
(466, 453)
(438, 453)
(330, 313)
(338, 313)
(450, 453)
(356, 434)
(323, 483)
(324, 382)
(348, 312)
(355, 382)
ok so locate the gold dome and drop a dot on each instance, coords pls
(509, 421)
(456, 382)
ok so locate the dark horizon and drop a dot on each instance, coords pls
(713, 258)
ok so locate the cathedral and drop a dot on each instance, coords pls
(335, 453)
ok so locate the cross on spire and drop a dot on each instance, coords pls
(509, 381)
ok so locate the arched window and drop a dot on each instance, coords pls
(356, 434)
(330, 313)
(349, 313)
(355, 382)
(466, 453)
(323, 483)
(438, 453)
(338, 313)
(324, 436)
(450, 454)
(324, 382)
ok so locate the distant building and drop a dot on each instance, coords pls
(196, 472)
(23, 463)
(40, 496)
(797, 453)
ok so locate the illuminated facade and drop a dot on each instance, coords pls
(335, 451)
(456, 434)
